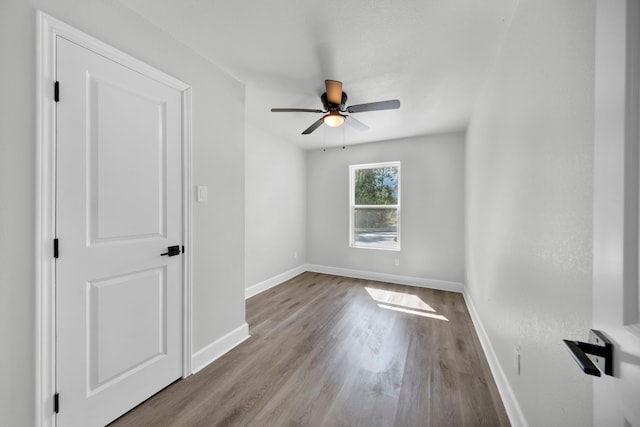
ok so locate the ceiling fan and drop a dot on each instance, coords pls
(333, 101)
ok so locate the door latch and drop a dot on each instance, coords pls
(172, 251)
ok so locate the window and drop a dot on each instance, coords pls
(375, 206)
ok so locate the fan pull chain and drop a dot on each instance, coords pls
(324, 136)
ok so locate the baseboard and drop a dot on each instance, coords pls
(511, 405)
(213, 351)
(442, 285)
(274, 281)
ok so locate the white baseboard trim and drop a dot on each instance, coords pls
(274, 281)
(213, 351)
(511, 405)
(442, 285)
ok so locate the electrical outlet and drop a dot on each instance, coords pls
(516, 360)
(396, 262)
(295, 254)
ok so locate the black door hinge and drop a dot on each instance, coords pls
(56, 91)
(55, 248)
(56, 403)
(182, 248)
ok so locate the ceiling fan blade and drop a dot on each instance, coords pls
(355, 123)
(375, 106)
(295, 110)
(334, 91)
(313, 127)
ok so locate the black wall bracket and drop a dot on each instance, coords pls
(593, 356)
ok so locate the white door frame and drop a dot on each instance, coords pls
(48, 29)
(616, 196)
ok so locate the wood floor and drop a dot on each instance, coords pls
(334, 351)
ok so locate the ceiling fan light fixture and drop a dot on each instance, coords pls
(333, 119)
(334, 102)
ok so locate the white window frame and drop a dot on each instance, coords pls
(353, 206)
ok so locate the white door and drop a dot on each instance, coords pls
(118, 207)
(616, 297)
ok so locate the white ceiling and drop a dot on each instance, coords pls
(432, 55)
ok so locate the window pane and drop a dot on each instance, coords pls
(376, 186)
(376, 228)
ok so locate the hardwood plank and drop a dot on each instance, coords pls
(329, 351)
(414, 400)
(478, 410)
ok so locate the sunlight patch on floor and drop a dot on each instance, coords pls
(405, 303)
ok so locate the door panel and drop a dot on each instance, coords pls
(616, 184)
(116, 323)
(119, 206)
(127, 151)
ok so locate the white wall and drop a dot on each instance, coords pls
(218, 154)
(432, 210)
(276, 200)
(529, 206)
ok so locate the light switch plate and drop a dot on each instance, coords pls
(201, 193)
